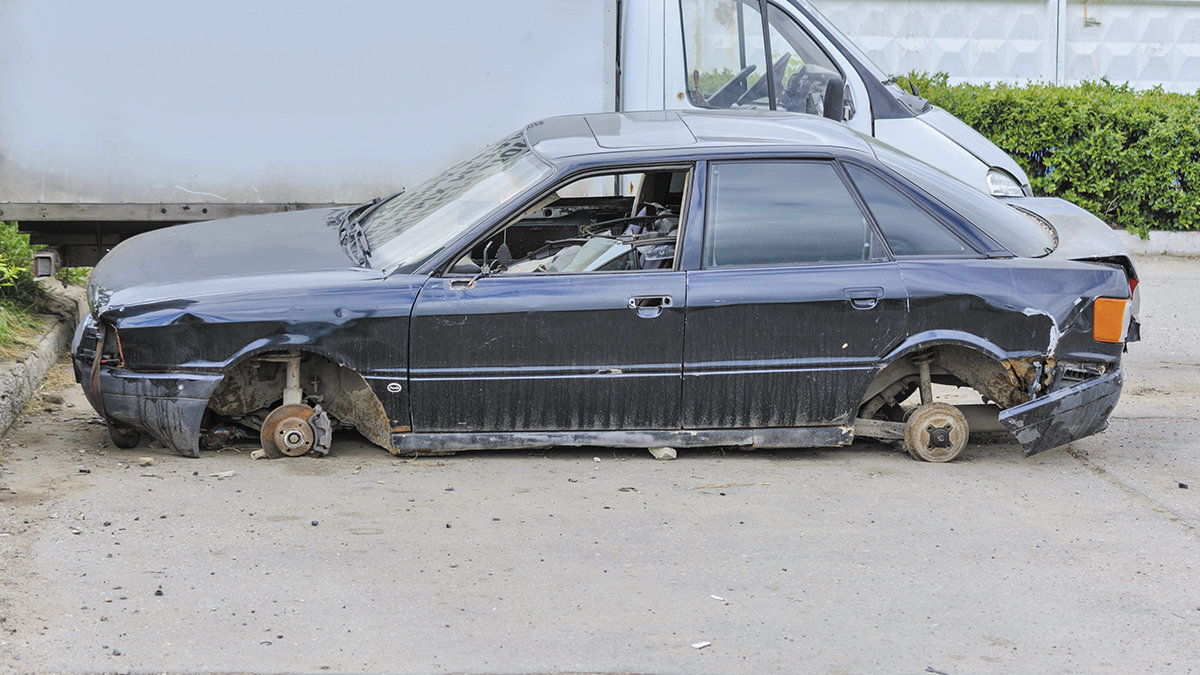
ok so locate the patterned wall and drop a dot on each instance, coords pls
(1143, 43)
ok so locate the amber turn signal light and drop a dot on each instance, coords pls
(1110, 317)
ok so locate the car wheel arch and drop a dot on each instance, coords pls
(340, 389)
(968, 360)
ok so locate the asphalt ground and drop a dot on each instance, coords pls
(1083, 559)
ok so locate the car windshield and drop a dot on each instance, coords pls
(408, 229)
(1013, 229)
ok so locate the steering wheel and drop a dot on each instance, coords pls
(759, 88)
(728, 91)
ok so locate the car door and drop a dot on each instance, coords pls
(582, 349)
(794, 303)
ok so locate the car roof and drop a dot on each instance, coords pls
(602, 133)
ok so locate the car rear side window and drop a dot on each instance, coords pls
(908, 230)
(783, 213)
(1013, 229)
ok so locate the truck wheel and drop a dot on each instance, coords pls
(936, 432)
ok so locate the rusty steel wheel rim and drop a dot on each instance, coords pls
(286, 432)
(936, 432)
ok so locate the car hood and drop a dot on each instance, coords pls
(973, 142)
(1081, 235)
(198, 254)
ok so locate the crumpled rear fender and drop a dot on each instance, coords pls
(1065, 415)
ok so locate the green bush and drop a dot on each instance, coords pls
(1130, 157)
(21, 297)
(17, 285)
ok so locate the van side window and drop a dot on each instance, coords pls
(783, 213)
(908, 230)
(724, 52)
(727, 66)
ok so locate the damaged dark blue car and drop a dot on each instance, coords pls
(624, 280)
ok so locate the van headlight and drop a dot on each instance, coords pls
(1002, 184)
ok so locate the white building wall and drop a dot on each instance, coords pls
(1146, 43)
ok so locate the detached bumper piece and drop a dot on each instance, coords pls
(1065, 415)
(169, 406)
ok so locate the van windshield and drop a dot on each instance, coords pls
(410, 228)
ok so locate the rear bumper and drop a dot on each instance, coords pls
(1065, 415)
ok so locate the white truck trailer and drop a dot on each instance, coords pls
(121, 117)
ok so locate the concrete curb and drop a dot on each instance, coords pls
(19, 380)
(1182, 244)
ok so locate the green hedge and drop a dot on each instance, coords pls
(1130, 157)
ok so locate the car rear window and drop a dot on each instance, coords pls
(1011, 228)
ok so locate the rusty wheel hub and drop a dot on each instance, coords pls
(287, 431)
(936, 432)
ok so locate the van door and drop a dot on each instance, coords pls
(726, 65)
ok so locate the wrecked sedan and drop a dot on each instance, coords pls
(623, 280)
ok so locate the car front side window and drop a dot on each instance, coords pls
(783, 213)
(615, 222)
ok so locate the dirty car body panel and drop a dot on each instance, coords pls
(637, 280)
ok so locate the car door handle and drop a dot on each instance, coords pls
(864, 298)
(650, 306)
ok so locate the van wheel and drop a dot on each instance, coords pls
(936, 432)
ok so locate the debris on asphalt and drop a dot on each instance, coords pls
(723, 485)
(258, 454)
(53, 399)
(627, 489)
(701, 645)
(596, 460)
(85, 471)
(663, 453)
(145, 461)
(449, 489)
(116, 652)
(152, 475)
(315, 523)
(1183, 486)
(716, 597)
(223, 474)
(158, 592)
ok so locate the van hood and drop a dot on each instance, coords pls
(974, 142)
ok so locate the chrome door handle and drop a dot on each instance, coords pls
(650, 306)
